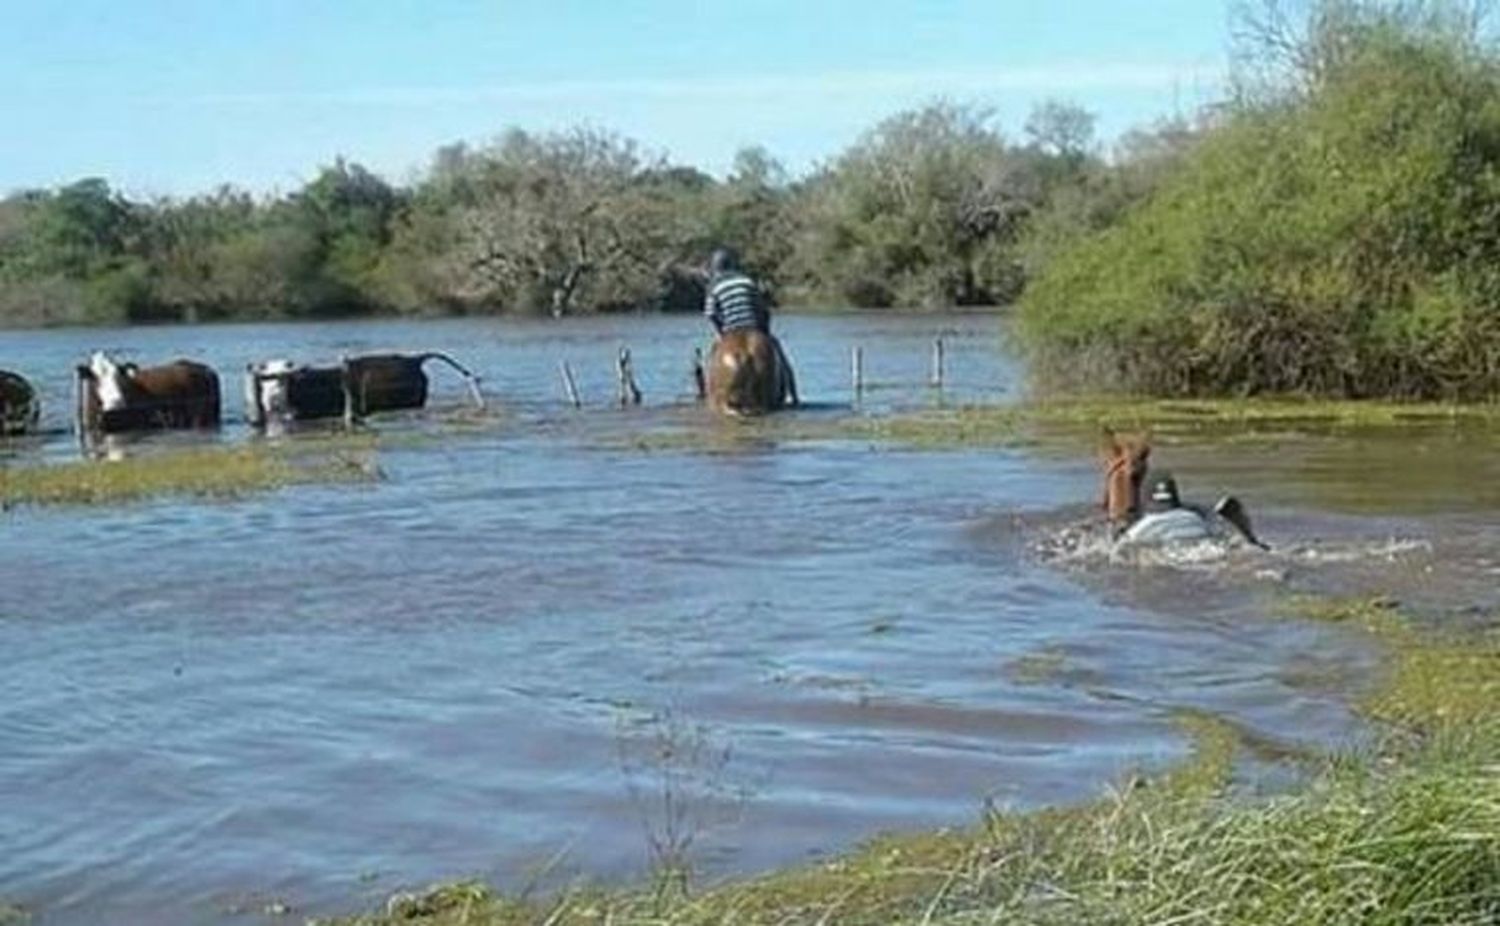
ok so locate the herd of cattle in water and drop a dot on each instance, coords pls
(746, 374)
(114, 397)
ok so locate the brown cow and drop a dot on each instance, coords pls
(20, 409)
(127, 397)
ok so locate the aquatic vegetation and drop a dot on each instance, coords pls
(1407, 834)
(216, 472)
(1030, 423)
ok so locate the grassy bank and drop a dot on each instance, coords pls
(213, 472)
(1408, 833)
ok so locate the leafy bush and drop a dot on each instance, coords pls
(1337, 237)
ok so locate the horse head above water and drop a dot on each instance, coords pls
(1126, 458)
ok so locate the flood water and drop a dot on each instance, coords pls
(325, 694)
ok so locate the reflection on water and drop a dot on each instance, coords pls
(325, 694)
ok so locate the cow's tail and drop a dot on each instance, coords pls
(469, 376)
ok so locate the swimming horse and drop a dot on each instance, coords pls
(1166, 520)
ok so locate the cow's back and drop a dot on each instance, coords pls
(383, 382)
(181, 394)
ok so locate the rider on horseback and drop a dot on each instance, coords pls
(734, 302)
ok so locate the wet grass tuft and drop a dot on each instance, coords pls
(1408, 833)
(209, 472)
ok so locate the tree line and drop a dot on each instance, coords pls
(928, 208)
(1332, 226)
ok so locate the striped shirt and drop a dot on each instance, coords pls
(734, 302)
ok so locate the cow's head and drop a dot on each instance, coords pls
(274, 396)
(109, 380)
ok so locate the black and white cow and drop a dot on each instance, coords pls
(281, 391)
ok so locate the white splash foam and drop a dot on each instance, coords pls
(1390, 549)
(1082, 545)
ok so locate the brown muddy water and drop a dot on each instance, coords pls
(489, 663)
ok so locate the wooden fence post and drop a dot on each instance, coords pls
(569, 384)
(630, 393)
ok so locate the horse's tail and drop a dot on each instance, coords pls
(739, 396)
(469, 377)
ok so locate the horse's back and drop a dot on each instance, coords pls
(744, 372)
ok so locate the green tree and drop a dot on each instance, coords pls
(924, 210)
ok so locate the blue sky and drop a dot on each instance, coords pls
(177, 96)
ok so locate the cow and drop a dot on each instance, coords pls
(280, 390)
(20, 409)
(116, 396)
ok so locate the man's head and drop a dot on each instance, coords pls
(723, 261)
(1164, 495)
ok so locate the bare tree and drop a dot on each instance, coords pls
(1281, 46)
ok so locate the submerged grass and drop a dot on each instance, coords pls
(1029, 422)
(1407, 834)
(214, 472)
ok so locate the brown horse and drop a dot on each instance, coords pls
(747, 374)
(19, 408)
(1125, 463)
(125, 397)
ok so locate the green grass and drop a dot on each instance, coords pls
(213, 472)
(1030, 422)
(1408, 833)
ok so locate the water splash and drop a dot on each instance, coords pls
(1090, 545)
